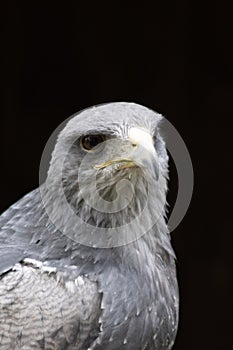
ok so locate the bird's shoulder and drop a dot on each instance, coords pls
(16, 230)
(27, 232)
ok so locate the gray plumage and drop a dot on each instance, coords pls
(58, 291)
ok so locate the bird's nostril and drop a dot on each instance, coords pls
(134, 144)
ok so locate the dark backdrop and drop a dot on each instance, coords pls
(174, 57)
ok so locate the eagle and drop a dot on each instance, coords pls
(86, 258)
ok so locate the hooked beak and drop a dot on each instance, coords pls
(142, 154)
(146, 157)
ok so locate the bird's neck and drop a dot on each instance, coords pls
(80, 215)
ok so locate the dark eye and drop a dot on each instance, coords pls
(90, 141)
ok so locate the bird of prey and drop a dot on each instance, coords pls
(86, 259)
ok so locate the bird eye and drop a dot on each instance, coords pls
(90, 141)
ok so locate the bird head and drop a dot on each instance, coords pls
(109, 163)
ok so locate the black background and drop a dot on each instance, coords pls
(174, 57)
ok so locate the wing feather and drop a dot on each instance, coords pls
(40, 311)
